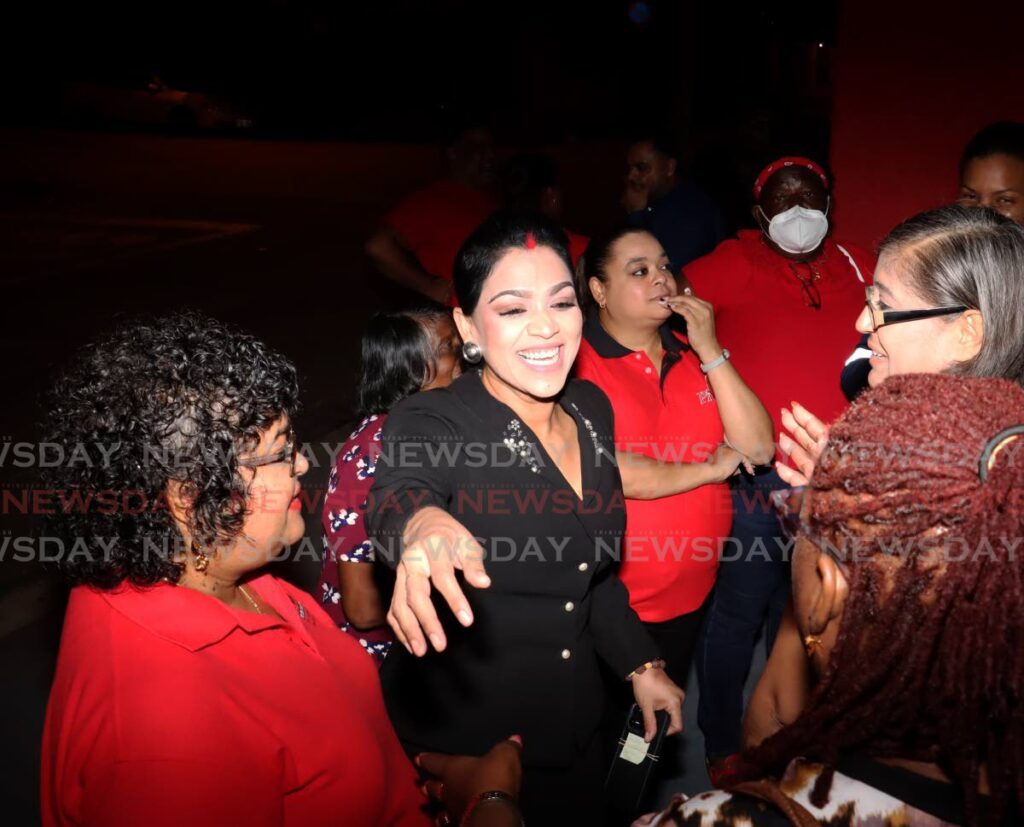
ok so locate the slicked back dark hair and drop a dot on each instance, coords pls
(1000, 138)
(172, 398)
(595, 259)
(397, 358)
(504, 230)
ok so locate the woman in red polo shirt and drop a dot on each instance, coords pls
(677, 400)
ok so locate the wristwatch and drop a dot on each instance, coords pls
(714, 363)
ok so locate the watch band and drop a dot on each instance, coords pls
(714, 363)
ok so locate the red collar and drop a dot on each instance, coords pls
(194, 620)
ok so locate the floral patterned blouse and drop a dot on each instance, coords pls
(344, 527)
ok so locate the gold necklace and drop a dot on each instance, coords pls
(248, 597)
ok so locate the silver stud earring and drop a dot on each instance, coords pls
(471, 352)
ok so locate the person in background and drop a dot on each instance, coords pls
(658, 199)
(916, 716)
(785, 296)
(991, 175)
(947, 297)
(417, 241)
(530, 183)
(193, 687)
(402, 353)
(992, 170)
(681, 402)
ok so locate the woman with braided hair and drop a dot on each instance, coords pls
(947, 297)
(908, 587)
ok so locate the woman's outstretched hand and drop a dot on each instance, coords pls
(809, 435)
(435, 545)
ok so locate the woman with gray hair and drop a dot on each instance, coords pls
(947, 297)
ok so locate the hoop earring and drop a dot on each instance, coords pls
(811, 642)
(471, 352)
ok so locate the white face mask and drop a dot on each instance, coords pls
(798, 229)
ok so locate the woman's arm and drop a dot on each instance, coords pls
(412, 530)
(748, 428)
(784, 686)
(645, 478)
(363, 607)
(624, 644)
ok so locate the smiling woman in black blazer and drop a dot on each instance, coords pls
(516, 458)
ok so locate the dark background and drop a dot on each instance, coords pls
(265, 229)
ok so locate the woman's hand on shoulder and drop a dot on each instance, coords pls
(435, 544)
(459, 779)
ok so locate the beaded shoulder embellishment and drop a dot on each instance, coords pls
(598, 447)
(517, 444)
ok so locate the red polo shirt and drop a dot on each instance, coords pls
(435, 220)
(671, 546)
(170, 708)
(785, 349)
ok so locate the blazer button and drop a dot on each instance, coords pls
(570, 606)
(566, 654)
(583, 567)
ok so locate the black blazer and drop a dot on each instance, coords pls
(529, 663)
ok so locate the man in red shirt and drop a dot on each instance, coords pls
(786, 297)
(418, 239)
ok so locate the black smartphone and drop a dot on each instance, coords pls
(634, 761)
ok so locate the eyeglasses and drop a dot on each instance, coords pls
(788, 504)
(880, 317)
(287, 454)
(808, 284)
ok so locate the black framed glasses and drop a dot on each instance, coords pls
(287, 454)
(881, 317)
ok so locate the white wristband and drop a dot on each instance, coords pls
(714, 363)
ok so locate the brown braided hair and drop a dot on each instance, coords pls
(928, 664)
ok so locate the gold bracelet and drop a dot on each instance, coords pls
(657, 663)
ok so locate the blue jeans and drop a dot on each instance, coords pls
(752, 587)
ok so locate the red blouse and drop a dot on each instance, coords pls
(671, 549)
(170, 708)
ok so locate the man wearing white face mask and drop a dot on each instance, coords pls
(785, 296)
